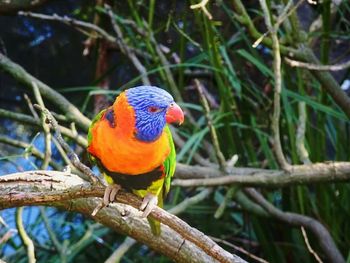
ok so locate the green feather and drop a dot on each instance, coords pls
(169, 169)
(169, 163)
(94, 120)
(89, 136)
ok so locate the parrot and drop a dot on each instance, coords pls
(132, 145)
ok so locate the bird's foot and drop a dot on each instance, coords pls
(110, 193)
(148, 203)
(108, 197)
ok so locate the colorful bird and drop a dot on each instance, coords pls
(132, 145)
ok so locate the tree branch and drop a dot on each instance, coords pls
(300, 64)
(219, 155)
(72, 155)
(21, 75)
(278, 87)
(202, 6)
(45, 127)
(303, 53)
(26, 240)
(318, 259)
(320, 232)
(26, 119)
(126, 49)
(71, 21)
(178, 240)
(28, 150)
(117, 255)
(300, 136)
(298, 174)
(11, 7)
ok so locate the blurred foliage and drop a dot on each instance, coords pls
(239, 83)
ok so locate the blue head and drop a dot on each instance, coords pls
(154, 107)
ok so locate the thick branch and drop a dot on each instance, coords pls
(298, 174)
(178, 240)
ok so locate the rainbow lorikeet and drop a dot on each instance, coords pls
(132, 145)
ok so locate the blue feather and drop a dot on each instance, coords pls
(149, 123)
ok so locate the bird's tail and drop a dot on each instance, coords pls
(153, 223)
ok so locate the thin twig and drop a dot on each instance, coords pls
(22, 76)
(181, 143)
(24, 236)
(126, 49)
(286, 12)
(318, 259)
(202, 5)
(324, 238)
(181, 207)
(87, 235)
(300, 64)
(240, 249)
(230, 193)
(29, 149)
(303, 53)
(312, 2)
(300, 136)
(278, 87)
(30, 106)
(45, 126)
(96, 31)
(70, 21)
(26, 119)
(166, 65)
(62, 153)
(8, 235)
(72, 155)
(50, 231)
(117, 255)
(219, 155)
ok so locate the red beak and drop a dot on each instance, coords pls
(174, 114)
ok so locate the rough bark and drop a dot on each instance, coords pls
(298, 174)
(178, 240)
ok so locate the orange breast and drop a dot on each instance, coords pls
(118, 149)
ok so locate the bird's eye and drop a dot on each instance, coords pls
(153, 109)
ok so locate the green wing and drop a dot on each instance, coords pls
(169, 163)
(94, 120)
(169, 169)
(89, 136)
